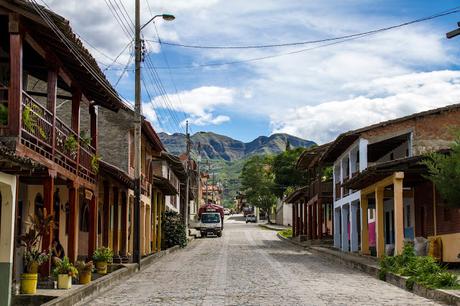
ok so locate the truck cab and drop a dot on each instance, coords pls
(211, 223)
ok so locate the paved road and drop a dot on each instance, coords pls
(251, 266)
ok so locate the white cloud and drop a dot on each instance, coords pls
(199, 103)
(386, 98)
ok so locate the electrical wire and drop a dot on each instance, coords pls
(124, 70)
(437, 15)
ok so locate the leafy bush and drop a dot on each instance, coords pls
(423, 270)
(103, 254)
(83, 267)
(174, 230)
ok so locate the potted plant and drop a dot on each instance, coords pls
(40, 225)
(64, 271)
(84, 271)
(102, 256)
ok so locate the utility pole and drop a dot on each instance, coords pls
(207, 179)
(138, 126)
(187, 183)
(137, 136)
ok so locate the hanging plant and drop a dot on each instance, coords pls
(95, 163)
(28, 120)
(71, 145)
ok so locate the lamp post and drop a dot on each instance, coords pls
(138, 127)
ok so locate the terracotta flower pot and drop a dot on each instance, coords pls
(101, 267)
(84, 277)
(64, 281)
(29, 283)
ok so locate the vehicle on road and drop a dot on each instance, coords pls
(251, 218)
(211, 219)
(226, 211)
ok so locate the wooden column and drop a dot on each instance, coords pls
(398, 212)
(320, 217)
(72, 248)
(106, 215)
(154, 219)
(93, 122)
(379, 221)
(116, 248)
(15, 88)
(315, 220)
(294, 219)
(310, 222)
(364, 225)
(124, 224)
(93, 216)
(75, 120)
(51, 103)
(300, 218)
(48, 199)
(305, 217)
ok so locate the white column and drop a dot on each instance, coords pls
(337, 227)
(8, 204)
(344, 235)
(354, 227)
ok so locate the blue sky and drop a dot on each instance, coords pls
(315, 94)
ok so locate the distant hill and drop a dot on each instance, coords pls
(219, 147)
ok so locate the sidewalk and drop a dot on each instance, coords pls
(274, 227)
(369, 265)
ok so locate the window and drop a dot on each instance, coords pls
(210, 218)
(371, 214)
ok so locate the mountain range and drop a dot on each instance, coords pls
(219, 147)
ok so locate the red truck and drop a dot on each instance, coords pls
(211, 218)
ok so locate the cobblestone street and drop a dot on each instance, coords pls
(251, 266)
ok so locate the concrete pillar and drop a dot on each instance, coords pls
(354, 227)
(344, 235)
(337, 227)
(398, 211)
(364, 225)
(380, 235)
(8, 204)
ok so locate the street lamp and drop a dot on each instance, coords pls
(138, 127)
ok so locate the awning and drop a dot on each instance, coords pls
(296, 195)
(116, 173)
(164, 185)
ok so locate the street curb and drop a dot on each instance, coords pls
(268, 226)
(105, 283)
(396, 280)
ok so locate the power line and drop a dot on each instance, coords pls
(124, 70)
(437, 15)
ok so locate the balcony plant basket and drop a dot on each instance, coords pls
(102, 257)
(64, 271)
(84, 271)
(39, 225)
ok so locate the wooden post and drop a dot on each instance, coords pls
(48, 199)
(73, 222)
(51, 103)
(115, 243)
(93, 216)
(124, 224)
(310, 222)
(364, 225)
(315, 220)
(75, 122)
(15, 88)
(294, 219)
(320, 217)
(93, 119)
(398, 211)
(106, 214)
(300, 218)
(380, 234)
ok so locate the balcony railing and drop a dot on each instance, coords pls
(338, 191)
(52, 138)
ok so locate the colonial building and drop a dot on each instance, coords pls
(312, 203)
(381, 196)
(51, 89)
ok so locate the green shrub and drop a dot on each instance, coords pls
(423, 270)
(287, 233)
(103, 254)
(174, 230)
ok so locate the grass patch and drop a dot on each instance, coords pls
(422, 270)
(287, 233)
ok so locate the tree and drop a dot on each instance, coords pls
(285, 172)
(257, 183)
(444, 172)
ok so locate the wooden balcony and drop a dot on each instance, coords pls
(52, 139)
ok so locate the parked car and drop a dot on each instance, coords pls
(251, 218)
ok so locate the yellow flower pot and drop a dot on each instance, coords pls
(84, 277)
(29, 283)
(101, 267)
(64, 281)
